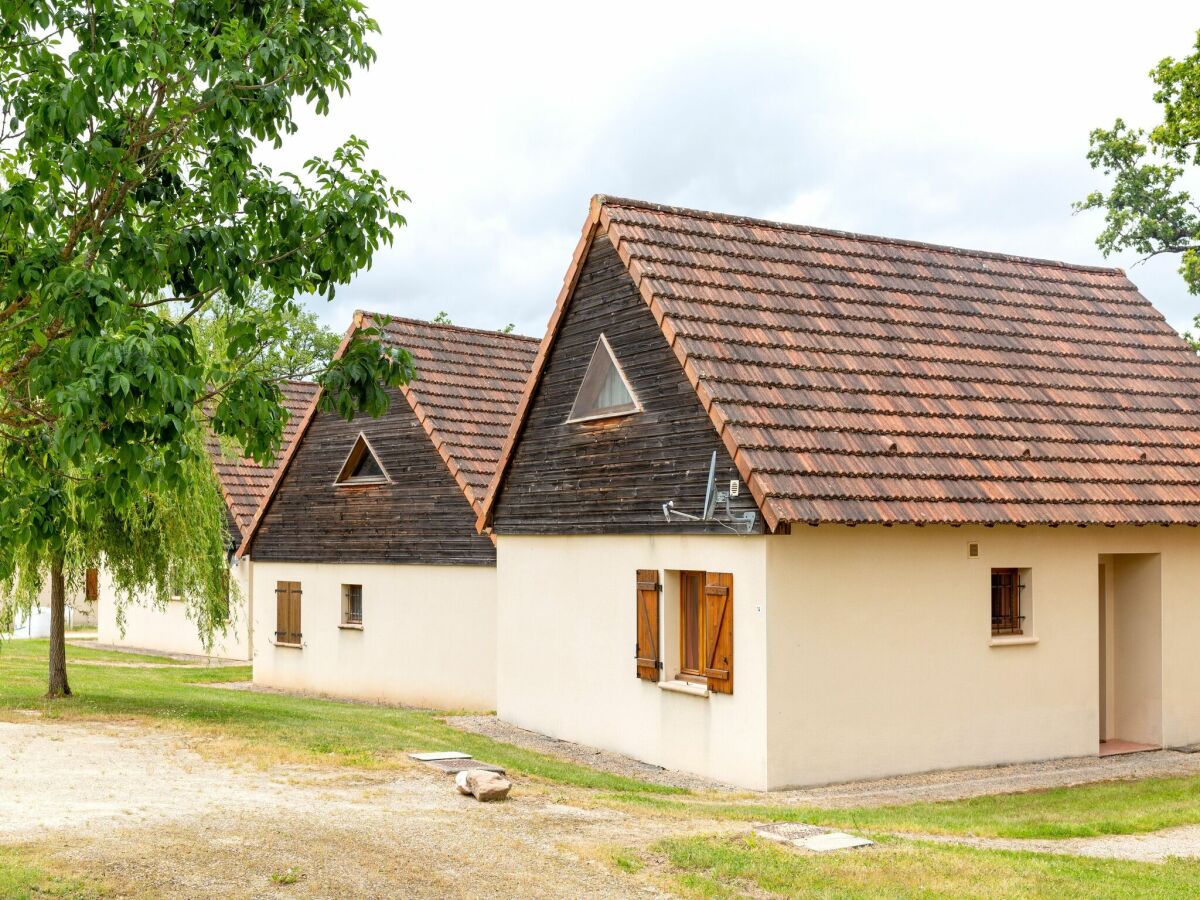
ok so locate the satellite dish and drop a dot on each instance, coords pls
(739, 523)
(710, 492)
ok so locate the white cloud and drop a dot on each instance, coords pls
(957, 123)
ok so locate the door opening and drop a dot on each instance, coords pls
(1130, 652)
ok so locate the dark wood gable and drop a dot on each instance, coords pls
(613, 475)
(420, 516)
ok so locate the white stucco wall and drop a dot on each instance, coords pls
(428, 637)
(881, 659)
(566, 632)
(859, 652)
(169, 630)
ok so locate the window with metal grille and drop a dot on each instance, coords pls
(352, 604)
(1007, 614)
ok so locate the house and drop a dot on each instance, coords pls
(80, 610)
(380, 586)
(951, 519)
(245, 485)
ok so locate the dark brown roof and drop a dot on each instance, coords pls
(468, 385)
(858, 379)
(246, 483)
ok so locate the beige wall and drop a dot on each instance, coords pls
(168, 629)
(566, 638)
(881, 659)
(859, 652)
(428, 637)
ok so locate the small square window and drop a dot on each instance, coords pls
(1012, 603)
(352, 604)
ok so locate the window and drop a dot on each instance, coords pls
(352, 604)
(604, 391)
(704, 623)
(691, 618)
(362, 466)
(1008, 603)
(287, 614)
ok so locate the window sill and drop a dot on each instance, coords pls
(289, 646)
(1014, 641)
(684, 687)
(349, 626)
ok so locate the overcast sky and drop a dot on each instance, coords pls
(956, 123)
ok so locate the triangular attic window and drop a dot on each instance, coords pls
(604, 391)
(362, 466)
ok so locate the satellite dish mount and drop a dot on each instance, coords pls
(739, 523)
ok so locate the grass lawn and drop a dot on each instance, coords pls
(711, 867)
(355, 734)
(274, 726)
(21, 879)
(1115, 807)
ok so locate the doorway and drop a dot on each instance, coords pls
(1130, 652)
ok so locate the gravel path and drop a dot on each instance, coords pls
(1155, 847)
(954, 784)
(193, 659)
(958, 784)
(138, 808)
(613, 763)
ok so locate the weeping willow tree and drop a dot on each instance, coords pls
(169, 542)
(130, 184)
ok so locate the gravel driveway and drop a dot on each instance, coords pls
(135, 807)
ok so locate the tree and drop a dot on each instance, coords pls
(292, 345)
(1148, 209)
(128, 189)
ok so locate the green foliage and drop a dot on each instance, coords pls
(1147, 208)
(442, 318)
(292, 345)
(291, 876)
(24, 879)
(150, 269)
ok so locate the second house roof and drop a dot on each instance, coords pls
(466, 391)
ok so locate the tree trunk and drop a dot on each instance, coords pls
(58, 632)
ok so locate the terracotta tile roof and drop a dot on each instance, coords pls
(858, 379)
(468, 386)
(245, 482)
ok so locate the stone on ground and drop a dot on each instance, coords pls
(483, 785)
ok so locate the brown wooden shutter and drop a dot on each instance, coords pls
(718, 639)
(297, 632)
(287, 612)
(649, 662)
(91, 585)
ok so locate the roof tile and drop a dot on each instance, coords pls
(859, 379)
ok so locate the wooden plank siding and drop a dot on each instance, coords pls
(420, 517)
(612, 476)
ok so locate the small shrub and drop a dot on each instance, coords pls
(291, 876)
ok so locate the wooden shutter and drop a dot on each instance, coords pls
(287, 612)
(297, 632)
(647, 652)
(718, 638)
(91, 585)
